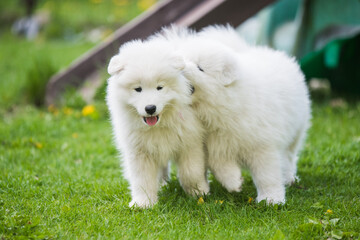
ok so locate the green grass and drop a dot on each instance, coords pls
(60, 178)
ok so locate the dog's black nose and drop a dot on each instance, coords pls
(150, 109)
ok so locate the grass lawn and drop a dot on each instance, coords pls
(60, 176)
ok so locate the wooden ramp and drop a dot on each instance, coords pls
(191, 13)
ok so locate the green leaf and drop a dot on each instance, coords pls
(279, 235)
(338, 234)
(325, 222)
(314, 221)
(334, 221)
(317, 205)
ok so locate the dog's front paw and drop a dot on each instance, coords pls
(272, 199)
(201, 190)
(290, 180)
(142, 203)
(234, 186)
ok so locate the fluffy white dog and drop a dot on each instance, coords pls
(149, 101)
(254, 105)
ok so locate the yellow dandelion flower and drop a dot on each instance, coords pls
(75, 135)
(145, 4)
(329, 211)
(250, 200)
(219, 201)
(200, 201)
(39, 145)
(88, 110)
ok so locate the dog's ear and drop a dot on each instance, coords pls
(115, 65)
(177, 61)
(229, 71)
(229, 74)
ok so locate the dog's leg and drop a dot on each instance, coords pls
(192, 171)
(289, 167)
(143, 175)
(266, 170)
(222, 163)
(165, 175)
(292, 152)
(227, 172)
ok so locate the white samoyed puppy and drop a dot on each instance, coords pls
(254, 105)
(149, 101)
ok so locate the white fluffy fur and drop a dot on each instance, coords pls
(223, 34)
(254, 105)
(146, 150)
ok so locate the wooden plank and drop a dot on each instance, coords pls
(163, 13)
(211, 12)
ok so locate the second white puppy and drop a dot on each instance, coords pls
(255, 107)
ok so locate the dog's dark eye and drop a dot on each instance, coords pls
(159, 88)
(138, 89)
(202, 70)
(192, 89)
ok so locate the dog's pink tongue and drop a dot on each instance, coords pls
(151, 121)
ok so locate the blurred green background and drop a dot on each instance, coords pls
(67, 30)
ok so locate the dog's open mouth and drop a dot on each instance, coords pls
(151, 121)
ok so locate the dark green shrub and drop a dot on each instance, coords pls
(36, 79)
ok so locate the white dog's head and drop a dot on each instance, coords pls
(210, 67)
(147, 77)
